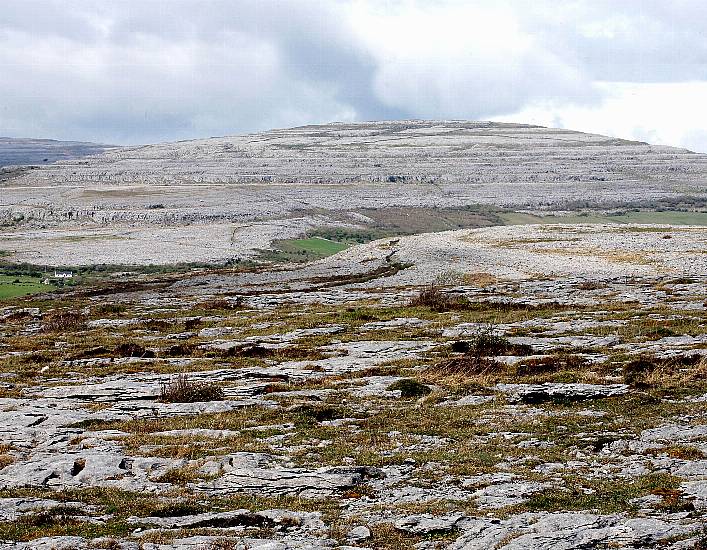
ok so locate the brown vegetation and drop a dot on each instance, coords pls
(63, 320)
(183, 390)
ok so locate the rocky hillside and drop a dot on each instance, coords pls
(348, 405)
(536, 386)
(222, 199)
(388, 152)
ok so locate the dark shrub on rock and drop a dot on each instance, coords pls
(649, 370)
(433, 298)
(317, 413)
(469, 364)
(409, 388)
(130, 349)
(488, 342)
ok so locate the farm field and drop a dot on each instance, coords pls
(12, 286)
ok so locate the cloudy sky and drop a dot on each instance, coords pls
(138, 71)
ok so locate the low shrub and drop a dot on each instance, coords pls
(673, 501)
(183, 390)
(178, 509)
(650, 371)
(409, 388)
(552, 363)
(179, 350)
(191, 324)
(316, 413)
(222, 304)
(98, 351)
(109, 309)
(6, 460)
(488, 342)
(252, 351)
(179, 476)
(433, 298)
(130, 349)
(591, 285)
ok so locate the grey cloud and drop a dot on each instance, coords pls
(136, 71)
(634, 40)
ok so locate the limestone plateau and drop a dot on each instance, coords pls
(221, 199)
(392, 335)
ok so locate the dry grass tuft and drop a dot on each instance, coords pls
(488, 342)
(468, 365)
(6, 460)
(433, 298)
(549, 364)
(183, 390)
(649, 371)
(480, 279)
(222, 304)
(410, 388)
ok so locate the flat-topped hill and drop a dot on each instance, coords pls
(387, 152)
(229, 198)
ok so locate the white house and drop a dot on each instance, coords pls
(63, 275)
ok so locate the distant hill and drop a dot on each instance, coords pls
(22, 152)
(388, 152)
(230, 198)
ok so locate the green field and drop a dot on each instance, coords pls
(316, 245)
(12, 286)
(303, 250)
(664, 217)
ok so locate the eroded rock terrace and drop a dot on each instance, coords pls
(490, 410)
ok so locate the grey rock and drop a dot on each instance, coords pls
(87, 468)
(244, 543)
(53, 543)
(549, 344)
(696, 491)
(318, 483)
(359, 533)
(427, 524)
(567, 531)
(11, 509)
(398, 322)
(468, 400)
(537, 393)
(507, 494)
(675, 432)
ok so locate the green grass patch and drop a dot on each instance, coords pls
(303, 250)
(607, 496)
(668, 217)
(12, 286)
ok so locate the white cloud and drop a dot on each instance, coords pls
(463, 61)
(660, 113)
